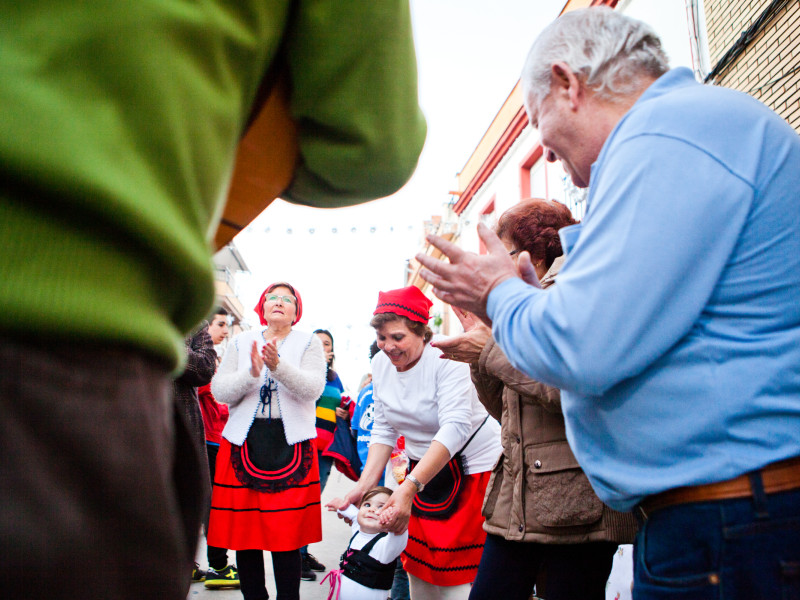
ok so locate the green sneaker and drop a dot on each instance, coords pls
(225, 578)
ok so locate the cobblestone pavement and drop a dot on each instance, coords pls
(335, 535)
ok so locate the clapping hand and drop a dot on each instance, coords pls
(468, 346)
(270, 354)
(468, 278)
(256, 360)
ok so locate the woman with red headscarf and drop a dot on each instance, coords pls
(433, 403)
(266, 487)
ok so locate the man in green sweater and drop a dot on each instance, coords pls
(120, 125)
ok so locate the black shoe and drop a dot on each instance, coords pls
(307, 574)
(312, 563)
(198, 574)
(224, 578)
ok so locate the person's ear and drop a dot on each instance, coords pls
(566, 84)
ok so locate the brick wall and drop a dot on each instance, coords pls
(769, 68)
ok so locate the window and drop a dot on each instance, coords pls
(488, 217)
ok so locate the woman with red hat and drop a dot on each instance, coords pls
(266, 487)
(450, 439)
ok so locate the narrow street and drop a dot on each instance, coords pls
(335, 535)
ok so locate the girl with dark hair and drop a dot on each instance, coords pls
(326, 337)
(328, 407)
(367, 569)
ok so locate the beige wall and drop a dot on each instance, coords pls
(764, 69)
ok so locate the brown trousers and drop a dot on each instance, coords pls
(92, 504)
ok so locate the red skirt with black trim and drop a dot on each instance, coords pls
(448, 552)
(245, 519)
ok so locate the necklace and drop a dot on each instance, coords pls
(280, 339)
(270, 386)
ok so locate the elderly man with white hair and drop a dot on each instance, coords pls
(674, 328)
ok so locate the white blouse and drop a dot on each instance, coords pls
(433, 400)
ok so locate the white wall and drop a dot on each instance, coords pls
(504, 185)
(668, 19)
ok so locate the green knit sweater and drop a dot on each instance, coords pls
(120, 122)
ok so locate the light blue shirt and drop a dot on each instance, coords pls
(674, 326)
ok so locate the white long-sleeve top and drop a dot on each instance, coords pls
(434, 400)
(300, 376)
(385, 550)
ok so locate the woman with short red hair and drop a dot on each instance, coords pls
(546, 526)
(532, 226)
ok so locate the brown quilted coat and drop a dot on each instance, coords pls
(537, 491)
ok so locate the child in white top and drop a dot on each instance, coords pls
(379, 561)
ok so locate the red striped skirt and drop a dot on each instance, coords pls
(448, 552)
(244, 519)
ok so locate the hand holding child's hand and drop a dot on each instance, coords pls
(395, 513)
(387, 514)
(335, 504)
(339, 504)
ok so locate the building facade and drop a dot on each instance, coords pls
(228, 263)
(754, 47)
(508, 163)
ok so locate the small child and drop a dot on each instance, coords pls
(367, 566)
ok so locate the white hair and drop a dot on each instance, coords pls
(609, 52)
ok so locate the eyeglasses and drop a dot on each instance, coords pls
(275, 298)
(513, 252)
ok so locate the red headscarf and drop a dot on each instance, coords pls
(259, 309)
(408, 302)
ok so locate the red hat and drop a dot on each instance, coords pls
(407, 302)
(259, 309)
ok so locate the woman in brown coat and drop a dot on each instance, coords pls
(546, 527)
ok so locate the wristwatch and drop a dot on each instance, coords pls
(417, 483)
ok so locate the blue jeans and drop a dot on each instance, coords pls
(399, 589)
(325, 465)
(742, 549)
